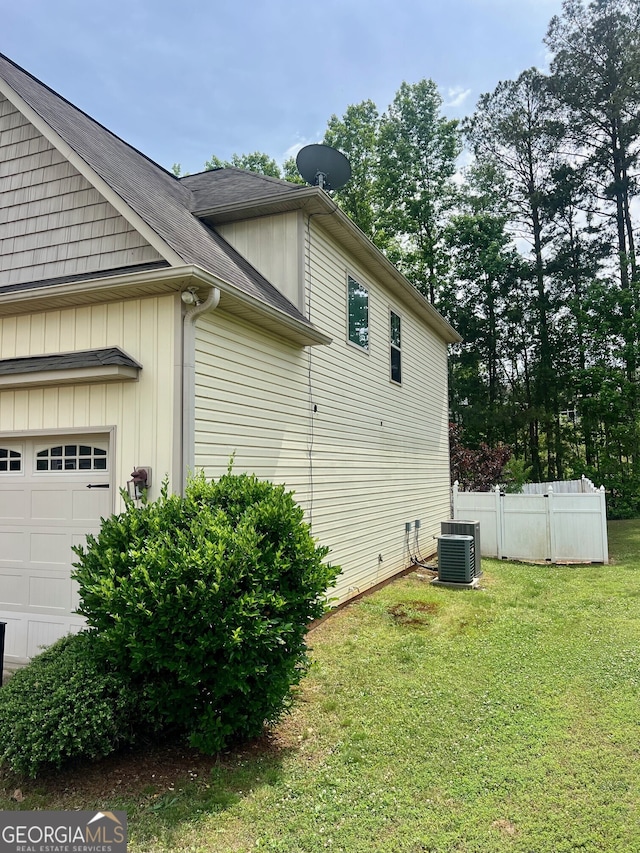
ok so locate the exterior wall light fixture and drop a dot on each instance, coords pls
(190, 296)
(139, 484)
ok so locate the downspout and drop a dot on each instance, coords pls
(190, 297)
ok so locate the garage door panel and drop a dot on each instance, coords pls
(15, 638)
(52, 593)
(81, 539)
(13, 589)
(75, 597)
(14, 547)
(41, 633)
(90, 504)
(51, 548)
(13, 505)
(45, 509)
(49, 504)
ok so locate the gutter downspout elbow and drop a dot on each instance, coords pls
(210, 303)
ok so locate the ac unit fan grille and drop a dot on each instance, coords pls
(466, 528)
(455, 558)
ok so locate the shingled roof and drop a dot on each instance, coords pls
(183, 213)
(155, 195)
(65, 361)
(221, 187)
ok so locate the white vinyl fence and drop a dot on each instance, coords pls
(573, 487)
(550, 526)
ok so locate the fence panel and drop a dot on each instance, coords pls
(572, 487)
(483, 507)
(555, 527)
(525, 527)
(580, 527)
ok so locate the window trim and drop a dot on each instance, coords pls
(18, 456)
(395, 347)
(365, 349)
(42, 454)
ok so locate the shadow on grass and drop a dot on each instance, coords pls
(160, 786)
(165, 818)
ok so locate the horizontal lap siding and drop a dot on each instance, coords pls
(379, 451)
(141, 411)
(251, 401)
(52, 221)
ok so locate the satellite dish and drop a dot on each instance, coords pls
(323, 166)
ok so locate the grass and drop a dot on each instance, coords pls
(503, 719)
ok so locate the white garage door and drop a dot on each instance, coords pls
(53, 491)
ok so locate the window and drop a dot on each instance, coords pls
(71, 457)
(358, 314)
(395, 347)
(10, 461)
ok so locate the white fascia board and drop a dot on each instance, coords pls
(261, 206)
(177, 278)
(166, 275)
(133, 218)
(280, 317)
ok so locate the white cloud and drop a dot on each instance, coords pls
(292, 150)
(456, 96)
(464, 160)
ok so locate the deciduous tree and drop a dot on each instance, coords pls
(416, 191)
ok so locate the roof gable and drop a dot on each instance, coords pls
(53, 222)
(227, 195)
(154, 200)
(165, 210)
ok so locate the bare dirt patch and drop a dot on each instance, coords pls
(133, 774)
(505, 827)
(414, 613)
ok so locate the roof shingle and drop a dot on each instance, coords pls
(158, 197)
(66, 361)
(220, 187)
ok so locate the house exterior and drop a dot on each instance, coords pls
(150, 321)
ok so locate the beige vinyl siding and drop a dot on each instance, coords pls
(251, 401)
(273, 245)
(385, 445)
(142, 411)
(53, 223)
(371, 458)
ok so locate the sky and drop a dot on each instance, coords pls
(183, 81)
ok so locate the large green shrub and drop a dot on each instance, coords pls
(67, 703)
(206, 598)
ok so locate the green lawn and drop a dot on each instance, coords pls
(502, 719)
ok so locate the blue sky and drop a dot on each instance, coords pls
(182, 81)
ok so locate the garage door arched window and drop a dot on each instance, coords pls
(10, 461)
(71, 457)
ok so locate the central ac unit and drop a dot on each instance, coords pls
(466, 528)
(455, 558)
